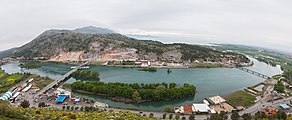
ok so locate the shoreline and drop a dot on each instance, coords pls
(210, 65)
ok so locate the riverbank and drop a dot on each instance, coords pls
(135, 93)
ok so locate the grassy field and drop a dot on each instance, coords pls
(40, 82)
(240, 98)
(8, 80)
(205, 65)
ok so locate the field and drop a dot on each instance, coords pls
(8, 80)
(240, 98)
(40, 82)
(205, 65)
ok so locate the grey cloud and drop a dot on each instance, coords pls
(264, 23)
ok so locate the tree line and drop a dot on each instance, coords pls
(86, 74)
(137, 92)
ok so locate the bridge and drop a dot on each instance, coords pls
(254, 73)
(64, 77)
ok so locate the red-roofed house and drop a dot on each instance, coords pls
(188, 109)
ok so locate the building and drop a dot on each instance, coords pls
(145, 63)
(100, 104)
(179, 110)
(188, 109)
(202, 108)
(285, 106)
(6, 95)
(62, 92)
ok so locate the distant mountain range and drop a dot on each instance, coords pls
(93, 30)
(103, 44)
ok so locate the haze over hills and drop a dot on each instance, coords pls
(103, 44)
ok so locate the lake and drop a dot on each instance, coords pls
(209, 82)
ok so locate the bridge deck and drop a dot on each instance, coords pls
(254, 73)
(56, 82)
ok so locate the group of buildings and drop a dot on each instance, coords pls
(215, 104)
(13, 94)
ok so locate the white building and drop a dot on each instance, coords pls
(61, 91)
(202, 108)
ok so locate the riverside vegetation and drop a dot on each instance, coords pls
(135, 93)
(29, 65)
(86, 74)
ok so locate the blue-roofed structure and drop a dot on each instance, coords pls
(61, 98)
(284, 106)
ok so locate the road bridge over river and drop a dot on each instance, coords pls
(64, 77)
(254, 73)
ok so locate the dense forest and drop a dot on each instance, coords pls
(86, 74)
(136, 92)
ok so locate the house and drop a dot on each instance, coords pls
(188, 109)
(201, 108)
(145, 63)
(179, 110)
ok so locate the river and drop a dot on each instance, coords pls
(209, 82)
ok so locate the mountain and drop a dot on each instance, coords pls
(6, 53)
(69, 45)
(93, 30)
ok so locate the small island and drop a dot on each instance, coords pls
(29, 65)
(135, 93)
(86, 75)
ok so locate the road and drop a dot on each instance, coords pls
(56, 82)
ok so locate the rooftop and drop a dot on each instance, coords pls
(216, 99)
(201, 107)
(285, 106)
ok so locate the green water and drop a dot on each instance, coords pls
(209, 82)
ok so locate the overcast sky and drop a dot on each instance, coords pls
(265, 23)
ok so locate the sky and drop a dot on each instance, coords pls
(264, 23)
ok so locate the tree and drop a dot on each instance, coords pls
(183, 118)
(68, 108)
(281, 115)
(81, 108)
(42, 104)
(246, 116)
(151, 115)
(192, 117)
(63, 107)
(177, 116)
(136, 96)
(164, 116)
(168, 109)
(223, 115)
(170, 116)
(72, 108)
(235, 115)
(25, 104)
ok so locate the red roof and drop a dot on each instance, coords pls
(188, 108)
